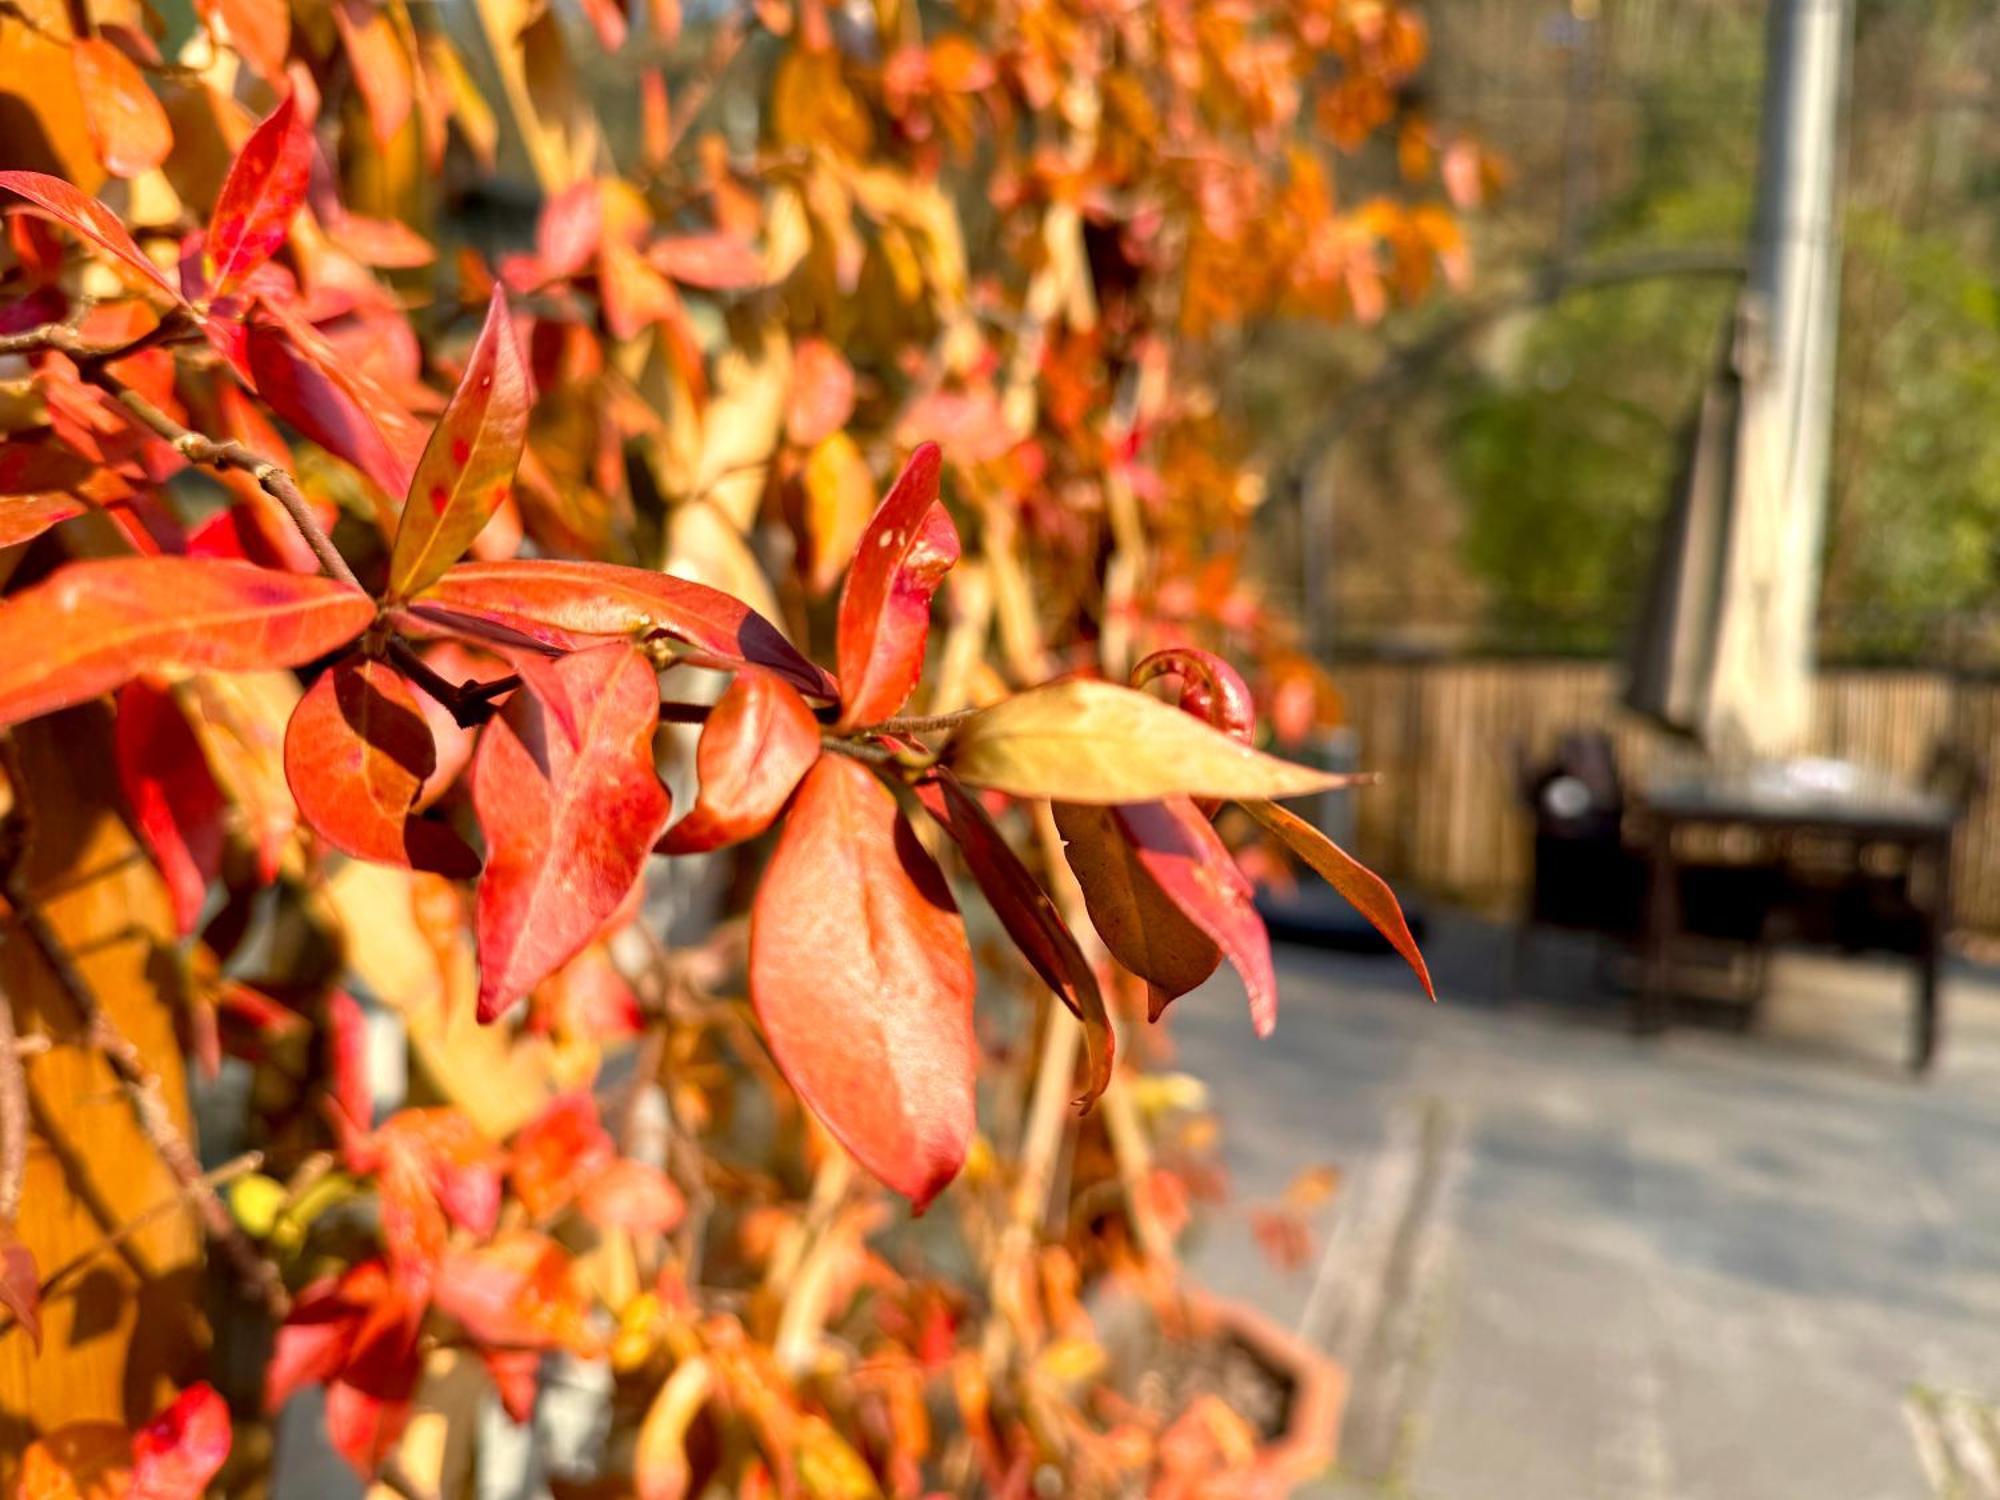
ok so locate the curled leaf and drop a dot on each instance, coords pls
(468, 465)
(358, 752)
(861, 976)
(126, 123)
(1095, 742)
(93, 625)
(568, 826)
(177, 808)
(758, 741)
(1368, 892)
(1030, 917)
(885, 607)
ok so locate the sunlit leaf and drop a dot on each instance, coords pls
(468, 465)
(94, 625)
(839, 499)
(759, 739)
(1029, 916)
(358, 751)
(581, 599)
(660, 1469)
(1368, 892)
(326, 405)
(719, 262)
(822, 397)
(1086, 741)
(862, 979)
(264, 188)
(568, 827)
(89, 218)
(885, 607)
(126, 122)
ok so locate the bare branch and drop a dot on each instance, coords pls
(13, 1116)
(142, 1091)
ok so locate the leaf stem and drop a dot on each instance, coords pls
(470, 703)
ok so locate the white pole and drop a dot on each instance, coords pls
(1761, 699)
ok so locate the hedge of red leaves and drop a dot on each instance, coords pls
(408, 634)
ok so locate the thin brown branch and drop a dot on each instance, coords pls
(221, 1176)
(13, 1116)
(142, 1091)
(925, 723)
(230, 454)
(66, 338)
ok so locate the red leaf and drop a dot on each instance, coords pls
(358, 751)
(520, 1291)
(94, 625)
(516, 1375)
(885, 606)
(568, 827)
(314, 1341)
(468, 465)
(21, 1284)
(1139, 922)
(633, 1196)
(1368, 892)
(368, 1403)
(176, 1454)
(299, 377)
(264, 188)
(862, 978)
(607, 19)
(126, 123)
(89, 218)
(556, 1151)
(563, 603)
(569, 230)
(720, 262)
(178, 811)
(347, 1047)
(1029, 916)
(1211, 689)
(1178, 847)
(758, 741)
(822, 397)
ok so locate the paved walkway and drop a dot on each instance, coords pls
(1565, 1265)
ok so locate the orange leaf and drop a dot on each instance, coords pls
(126, 122)
(718, 262)
(468, 465)
(758, 741)
(358, 752)
(94, 625)
(885, 608)
(862, 978)
(568, 827)
(822, 397)
(264, 188)
(1368, 892)
(560, 602)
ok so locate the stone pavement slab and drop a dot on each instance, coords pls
(1709, 1267)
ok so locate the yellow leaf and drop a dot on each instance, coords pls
(840, 497)
(1097, 743)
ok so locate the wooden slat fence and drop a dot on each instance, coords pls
(1444, 736)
